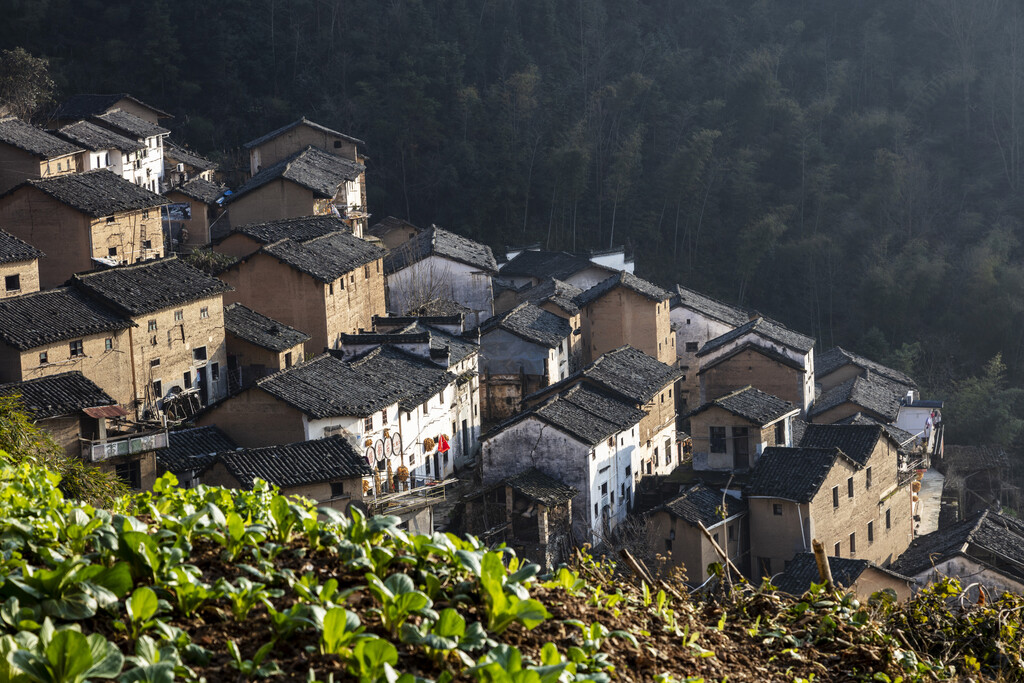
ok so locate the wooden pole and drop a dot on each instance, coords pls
(718, 549)
(824, 571)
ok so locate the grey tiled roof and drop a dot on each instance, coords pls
(961, 460)
(312, 168)
(792, 473)
(382, 227)
(583, 412)
(627, 280)
(701, 503)
(201, 190)
(872, 393)
(326, 258)
(296, 464)
(295, 124)
(751, 404)
(13, 249)
(538, 486)
(327, 386)
(900, 436)
(96, 138)
(84, 106)
(57, 395)
(34, 140)
(440, 242)
(857, 441)
(712, 308)
(97, 193)
(149, 286)
(631, 373)
(300, 229)
(130, 124)
(187, 157)
(547, 264)
(799, 429)
(837, 357)
(985, 534)
(803, 571)
(532, 324)
(557, 292)
(442, 306)
(193, 448)
(765, 351)
(52, 315)
(769, 329)
(459, 348)
(258, 329)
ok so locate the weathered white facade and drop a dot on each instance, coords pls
(504, 353)
(436, 277)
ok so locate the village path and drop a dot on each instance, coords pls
(931, 501)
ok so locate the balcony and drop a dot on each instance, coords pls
(117, 446)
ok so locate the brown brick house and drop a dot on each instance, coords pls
(247, 239)
(84, 219)
(258, 345)
(627, 310)
(393, 232)
(19, 266)
(60, 330)
(267, 150)
(870, 394)
(327, 471)
(78, 107)
(310, 182)
(29, 153)
(760, 353)
(837, 365)
(850, 497)
(177, 341)
(326, 286)
(730, 432)
(89, 425)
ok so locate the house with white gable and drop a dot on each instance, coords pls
(585, 438)
(148, 164)
(103, 148)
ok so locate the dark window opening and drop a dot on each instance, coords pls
(12, 282)
(717, 439)
(77, 348)
(130, 473)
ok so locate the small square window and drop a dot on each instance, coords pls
(110, 219)
(43, 358)
(777, 509)
(152, 326)
(155, 363)
(12, 283)
(147, 244)
(337, 144)
(112, 251)
(77, 348)
(158, 389)
(179, 315)
(199, 354)
(145, 213)
(835, 496)
(108, 344)
(204, 312)
(337, 489)
(691, 346)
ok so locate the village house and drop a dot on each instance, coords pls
(647, 384)
(837, 365)
(530, 512)
(393, 232)
(84, 219)
(327, 471)
(392, 403)
(438, 264)
(309, 182)
(521, 351)
(584, 437)
(853, 503)
(860, 576)
(763, 354)
(176, 344)
(195, 206)
(978, 478)
(267, 150)
(326, 286)
(674, 530)
(190, 451)
(696, 320)
(148, 163)
(532, 267)
(626, 310)
(30, 153)
(244, 240)
(182, 165)
(923, 419)
(103, 148)
(258, 346)
(986, 550)
(730, 432)
(61, 330)
(870, 394)
(77, 414)
(555, 297)
(19, 266)
(78, 107)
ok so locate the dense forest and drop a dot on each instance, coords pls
(853, 168)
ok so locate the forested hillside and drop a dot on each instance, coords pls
(852, 168)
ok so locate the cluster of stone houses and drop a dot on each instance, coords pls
(372, 364)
